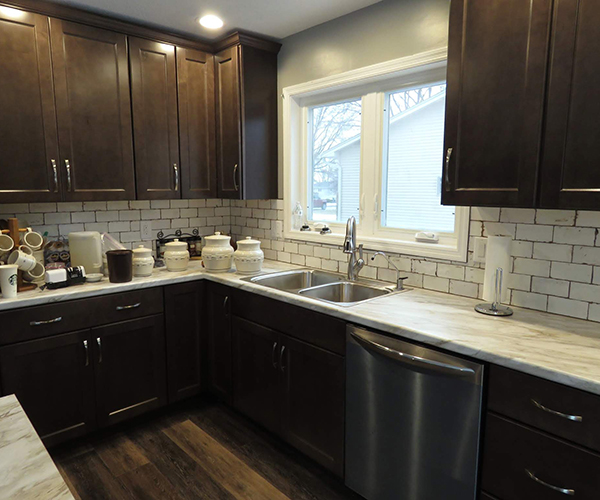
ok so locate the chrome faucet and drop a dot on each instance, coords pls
(350, 247)
(399, 279)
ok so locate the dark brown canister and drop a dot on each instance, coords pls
(120, 265)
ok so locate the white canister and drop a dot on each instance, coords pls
(217, 253)
(248, 257)
(177, 255)
(143, 262)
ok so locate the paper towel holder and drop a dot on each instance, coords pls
(495, 308)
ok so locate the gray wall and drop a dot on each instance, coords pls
(384, 31)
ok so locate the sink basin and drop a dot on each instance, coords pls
(345, 293)
(292, 281)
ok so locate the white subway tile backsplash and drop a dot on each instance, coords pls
(553, 256)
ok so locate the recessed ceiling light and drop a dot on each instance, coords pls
(10, 12)
(211, 22)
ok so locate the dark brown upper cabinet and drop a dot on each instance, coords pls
(497, 55)
(154, 103)
(196, 87)
(246, 89)
(94, 115)
(571, 172)
(28, 137)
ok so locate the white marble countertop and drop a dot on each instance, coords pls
(26, 469)
(556, 348)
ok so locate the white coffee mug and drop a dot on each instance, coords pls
(32, 239)
(36, 274)
(8, 281)
(6, 243)
(24, 261)
(25, 249)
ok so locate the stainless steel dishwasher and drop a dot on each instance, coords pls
(412, 420)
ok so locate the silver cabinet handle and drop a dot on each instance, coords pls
(87, 353)
(281, 365)
(273, 355)
(132, 306)
(55, 172)
(447, 169)
(235, 182)
(45, 322)
(411, 359)
(68, 167)
(99, 344)
(225, 302)
(176, 171)
(564, 491)
(573, 418)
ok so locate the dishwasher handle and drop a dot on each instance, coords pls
(411, 359)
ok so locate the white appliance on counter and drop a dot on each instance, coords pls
(86, 250)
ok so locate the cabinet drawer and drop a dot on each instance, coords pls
(42, 321)
(315, 328)
(520, 463)
(566, 412)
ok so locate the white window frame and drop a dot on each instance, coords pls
(371, 82)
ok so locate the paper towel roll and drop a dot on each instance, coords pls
(497, 255)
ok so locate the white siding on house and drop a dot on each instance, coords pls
(415, 155)
(349, 195)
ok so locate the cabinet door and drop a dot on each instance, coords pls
(28, 136)
(497, 54)
(183, 316)
(229, 131)
(94, 115)
(256, 381)
(196, 85)
(219, 340)
(54, 381)
(130, 370)
(154, 100)
(313, 402)
(570, 170)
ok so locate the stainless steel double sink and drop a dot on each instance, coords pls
(321, 285)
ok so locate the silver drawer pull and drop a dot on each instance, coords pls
(45, 322)
(132, 306)
(87, 353)
(99, 344)
(574, 418)
(564, 491)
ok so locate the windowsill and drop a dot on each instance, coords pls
(447, 251)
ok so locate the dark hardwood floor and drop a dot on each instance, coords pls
(198, 449)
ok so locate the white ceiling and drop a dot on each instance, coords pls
(273, 18)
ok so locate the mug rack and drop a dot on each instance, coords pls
(13, 231)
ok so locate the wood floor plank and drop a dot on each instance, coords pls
(120, 454)
(148, 483)
(228, 470)
(91, 479)
(189, 478)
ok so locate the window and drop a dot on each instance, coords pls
(370, 144)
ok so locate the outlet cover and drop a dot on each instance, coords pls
(480, 249)
(277, 230)
(146, 229)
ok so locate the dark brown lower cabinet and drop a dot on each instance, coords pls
(53, 379)
(219, 340)
(314, 402)
(130, 368)
(256, 375)
(291, 388)
(485, 496)
(520, 463)
(183, 316)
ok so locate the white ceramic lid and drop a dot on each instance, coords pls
(176, 244)
(142, 251)
(218, 237)
(248, 241)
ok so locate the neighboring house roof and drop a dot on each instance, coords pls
(413, 109)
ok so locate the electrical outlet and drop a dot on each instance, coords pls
(146, 229)
(277, 230)
(480, 249)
